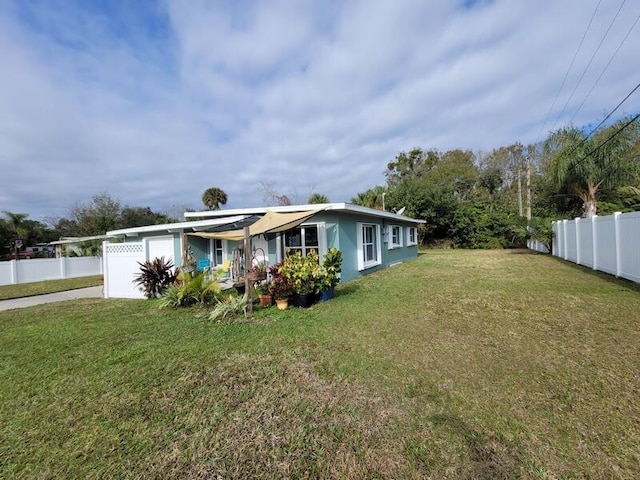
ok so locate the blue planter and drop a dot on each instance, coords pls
(327, 294)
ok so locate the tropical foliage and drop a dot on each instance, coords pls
(481, 199)
(192, 287)
(230, 307)
(155, 277)
(213, 197)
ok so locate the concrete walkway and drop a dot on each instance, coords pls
(90, 292)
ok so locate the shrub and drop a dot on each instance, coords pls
(232, 306)
(155, 277)
(191, 288)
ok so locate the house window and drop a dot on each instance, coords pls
(395, 237)
(218, 252)
(412, 236)
(302, 239)
(369, 245)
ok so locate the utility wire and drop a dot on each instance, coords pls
(575, 55)
(617, 132)
(604, 119)
(605, 69)
(588, 64)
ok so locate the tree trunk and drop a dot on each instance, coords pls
(588, 197)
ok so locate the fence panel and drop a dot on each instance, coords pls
(83, 266)
(571, 241)
(40, 269)
(584, 237)
(606, 244)
(610, 244)
(629, 243)
(120, 267)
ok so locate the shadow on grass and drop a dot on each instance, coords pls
(347, 289)
(489, 457)
(621, 282)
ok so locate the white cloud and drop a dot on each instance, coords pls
(156, 102)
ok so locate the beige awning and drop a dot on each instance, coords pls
(271, 222)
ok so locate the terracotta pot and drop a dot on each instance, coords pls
(265, 300)
(282, 303)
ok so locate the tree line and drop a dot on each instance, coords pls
(469, 199)
(498, 198)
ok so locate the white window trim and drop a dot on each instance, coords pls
(390, 244)
(362, 265)
(322, 240)
(415, 236)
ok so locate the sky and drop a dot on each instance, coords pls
(153, 102)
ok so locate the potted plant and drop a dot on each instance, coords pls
(332, 266)
(258, 272)
(304, 274)
(280, 287)
(264, 295)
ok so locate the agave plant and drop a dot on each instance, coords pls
(155, 276)
(231, 307)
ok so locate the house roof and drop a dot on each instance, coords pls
(344, 207)
(192, 226)
(216, 218)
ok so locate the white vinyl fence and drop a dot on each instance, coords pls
(15, 272)
(610, 244)
(537, 246)
(120, 267)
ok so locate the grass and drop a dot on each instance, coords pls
(460, 364)
(48, 286)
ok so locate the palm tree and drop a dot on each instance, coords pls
(213, 197)
(317, 198)
(587, 166)
(15, 222)
(372, 198)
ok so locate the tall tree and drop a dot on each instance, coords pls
(15, 222)
(213, 197)
(371, 198)
(315, 198)
(589, 166)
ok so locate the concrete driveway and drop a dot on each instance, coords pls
(90, 292)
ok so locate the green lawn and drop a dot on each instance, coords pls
(49, 286)
(460, 364)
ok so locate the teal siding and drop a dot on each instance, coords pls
(341, 232)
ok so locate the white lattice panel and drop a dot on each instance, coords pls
(125, 248)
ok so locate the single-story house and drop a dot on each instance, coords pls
(369, 240)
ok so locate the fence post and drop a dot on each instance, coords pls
(14, 271)
(105, 270)
(63, 267)
(594, 241)
(616, 223)
(578, 242)
(565, 254)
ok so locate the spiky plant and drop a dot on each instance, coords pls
(155, 276)
(231, 307)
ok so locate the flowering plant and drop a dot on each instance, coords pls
(279, 286)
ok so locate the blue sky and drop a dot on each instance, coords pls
(153, 102)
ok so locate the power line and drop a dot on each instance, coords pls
(575, 55)
(589, 64)
(613, 111)
(605, 69)
(617, 132)
(604, 119)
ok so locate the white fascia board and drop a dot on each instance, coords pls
(178, 227)
(347, 207)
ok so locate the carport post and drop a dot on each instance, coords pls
(247, 268)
